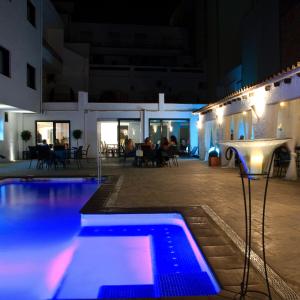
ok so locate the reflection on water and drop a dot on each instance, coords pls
(38, 221)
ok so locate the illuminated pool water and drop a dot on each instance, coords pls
(136, 256)
(49, 251)
(38, 222)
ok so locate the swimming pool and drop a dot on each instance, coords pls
(38, 222)
(136, 256)
(49, 251)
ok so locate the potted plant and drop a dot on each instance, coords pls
(213, 158)
(26, 136)
(77, 134)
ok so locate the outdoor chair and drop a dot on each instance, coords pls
(44, 157)
(129, 154)
(194, 151)
(32, 154)
(78, 156)
(85, 152)
(282, 160)
(173, 155)
(60, 157)
(148, 156)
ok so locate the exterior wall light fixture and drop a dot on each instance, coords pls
(268, 87)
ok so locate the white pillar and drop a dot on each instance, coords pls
(161, 103)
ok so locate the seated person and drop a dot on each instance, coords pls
(148, 143)
(129, 148)
(149, 154)
(183, 148)
(173, 141)
(45, 145)
(162, 153)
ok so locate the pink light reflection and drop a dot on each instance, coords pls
(59, 265)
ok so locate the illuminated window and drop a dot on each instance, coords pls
(54, 132)
(166, 128)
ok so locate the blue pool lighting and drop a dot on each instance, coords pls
(49, 251)
(38, 222)
(136, 256)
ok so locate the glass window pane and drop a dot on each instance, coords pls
(130, 129)
(155, 131)
(44, 132)
(166, 128)
(62, 134)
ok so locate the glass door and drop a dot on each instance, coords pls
(161, 128)
(53, 132)
(62, 134)
(44, 132)
(108, 136)
(129, 130)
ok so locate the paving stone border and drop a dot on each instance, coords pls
(277, 283)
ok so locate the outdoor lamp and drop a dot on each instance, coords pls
(255, 155)
(255, 160)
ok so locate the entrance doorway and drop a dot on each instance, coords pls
(113, 135)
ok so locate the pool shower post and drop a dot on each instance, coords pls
(99, 162)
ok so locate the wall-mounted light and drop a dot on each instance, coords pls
(220, 115)
(282, 104)
(200, 122)
(268, 87)
(244, 113)
(259, 103)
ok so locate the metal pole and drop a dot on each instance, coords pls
(99, 165)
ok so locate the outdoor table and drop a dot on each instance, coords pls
(112, 148)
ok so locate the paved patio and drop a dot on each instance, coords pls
(194, 184)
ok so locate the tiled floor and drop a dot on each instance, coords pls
(195, 184)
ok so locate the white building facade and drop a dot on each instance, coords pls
(20, 68)
(88, 117)
(270, 109)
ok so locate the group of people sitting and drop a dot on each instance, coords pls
(158, 153)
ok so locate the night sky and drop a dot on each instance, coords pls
(142, 12)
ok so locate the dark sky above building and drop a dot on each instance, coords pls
(142, 12)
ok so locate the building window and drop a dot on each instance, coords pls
(4, 62)
(160, 128)
(55, 133)
(31, 13)
(30, 76)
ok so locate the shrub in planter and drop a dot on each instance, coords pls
(77, 133)
(26, 136)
